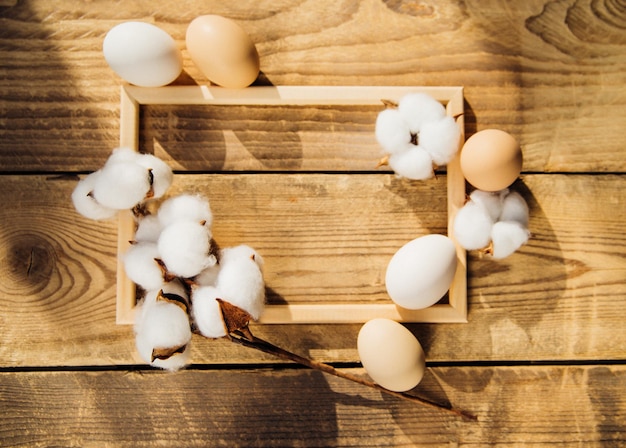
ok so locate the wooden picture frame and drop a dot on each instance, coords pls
(132, 98)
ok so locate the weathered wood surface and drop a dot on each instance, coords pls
(552, 73)
(560, 297)
(576, 406)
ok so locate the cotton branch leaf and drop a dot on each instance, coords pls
(235, 319)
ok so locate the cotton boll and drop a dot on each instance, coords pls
(441, 139)
(122, 185)
(174, 287)
(491, 201)
(162, 325)
(141, 266)
(472, 226)
(417, 109)
(208, 276)
(175, 362)
(185, 207)
(123, 155)
(514, 208)
(207, 313)
(162, 174)
(84, 202)
(392, 133)
(240, 279)
(507, 237)
(148, 229)
(184, 247)
(240, 252)
(414, 163)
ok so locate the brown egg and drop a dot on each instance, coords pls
(491, 160)
(223, 51)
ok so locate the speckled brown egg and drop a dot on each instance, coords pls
(223, 51)
(491, 160)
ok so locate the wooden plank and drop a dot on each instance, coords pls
(263, 128)
(326, 239)
(550, 74)
(572, 267)
(561, 297)
(538, 406)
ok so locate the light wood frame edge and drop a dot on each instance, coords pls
(133, 97)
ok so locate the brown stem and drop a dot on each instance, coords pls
(247, 339)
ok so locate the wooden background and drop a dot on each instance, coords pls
(542, 359)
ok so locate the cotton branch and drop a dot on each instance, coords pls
(237, 320)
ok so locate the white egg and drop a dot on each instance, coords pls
(421, 272)
(391, 354)
(142, 54)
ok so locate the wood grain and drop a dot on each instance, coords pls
(541, 360)
(558, 298)
(306, 408)
(551, 73)
(327, 237)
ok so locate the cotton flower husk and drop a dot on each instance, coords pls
(185, 207)
(417, 109)
(240, 279)
(472, 226)
(507, 237)
(392, 132)
(85, 203)
(184, 247)
(440, 139)
(172, 287)
(514, 208)
(207, 313)
(122, 185)
(141, 266)
(414, 163)
(161, 324)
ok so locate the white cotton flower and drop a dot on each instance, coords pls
(491, 201)
(184, 247)
(185, 207)
(141, 266)
(507, 237)
(472, 226)
(441, 139)
(123, 154)
(413, 163)
(148, 229)
(240, 279)
(85, 203)
(514, 208)
(162, 325)
(122, 185)
(418, 121)
(162, 174)
(417, 109)
(208, 276)
(175, 287)
(241, 252)
(207, 313)
(391, 131)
